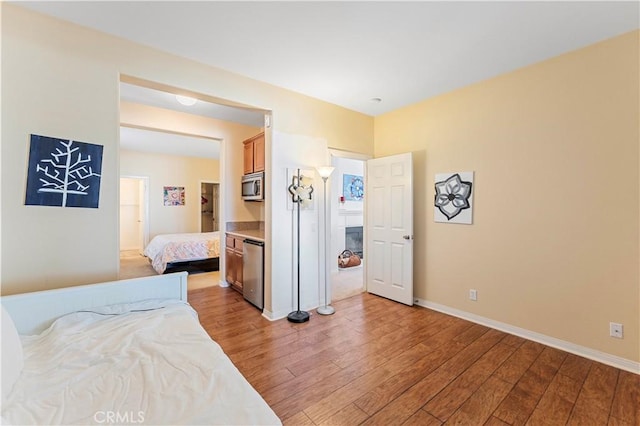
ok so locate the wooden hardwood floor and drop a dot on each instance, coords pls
(379, 362)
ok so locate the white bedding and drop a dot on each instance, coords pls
(167, 248)
(146, 363)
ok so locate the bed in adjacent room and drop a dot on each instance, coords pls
(184, 252)
(125, 352)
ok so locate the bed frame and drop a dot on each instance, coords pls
(34, 312)
(194, 266)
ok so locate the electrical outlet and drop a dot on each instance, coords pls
(473, 295)
(615, 330)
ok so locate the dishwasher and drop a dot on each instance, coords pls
(253, 272)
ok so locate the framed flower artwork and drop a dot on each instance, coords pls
(453, 201)
(352, 187)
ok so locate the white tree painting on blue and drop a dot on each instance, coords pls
(63, 173)
(454, 198)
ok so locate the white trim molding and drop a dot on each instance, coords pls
(583, 351)
(275, 316)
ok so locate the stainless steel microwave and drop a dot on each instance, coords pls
(253, 187)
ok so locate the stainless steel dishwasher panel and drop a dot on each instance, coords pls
(253, 272)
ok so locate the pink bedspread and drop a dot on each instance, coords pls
(167, 248)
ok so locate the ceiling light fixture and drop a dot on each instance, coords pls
(186, 100)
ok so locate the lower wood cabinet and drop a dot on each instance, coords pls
(233, 262)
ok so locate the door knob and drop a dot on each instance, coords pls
(407, 237)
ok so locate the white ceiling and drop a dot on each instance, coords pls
(157, 98)
(347, 53)
(147, 140)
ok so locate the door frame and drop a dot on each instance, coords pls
(144, 206)
(337, 153)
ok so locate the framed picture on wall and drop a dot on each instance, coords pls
(352, 187)
(453, 201)
(63, 173)
(173, 195)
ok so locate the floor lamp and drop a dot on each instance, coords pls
(299, 194)
(325, 172)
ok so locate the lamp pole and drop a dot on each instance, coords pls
(298, 316)
(326, 309)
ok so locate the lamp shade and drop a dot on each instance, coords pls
(325, 171)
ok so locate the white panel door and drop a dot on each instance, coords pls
(143, 226)
(129, 211)
(389, 227)
(134, 230)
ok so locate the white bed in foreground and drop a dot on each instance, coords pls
(134, 362)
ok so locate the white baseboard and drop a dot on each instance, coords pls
(274, 316)
(583, 351)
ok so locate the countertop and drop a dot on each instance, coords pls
(252, 234)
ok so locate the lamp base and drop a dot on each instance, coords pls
(326, 310)
(298, 316)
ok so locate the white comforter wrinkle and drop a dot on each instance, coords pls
(160, 363)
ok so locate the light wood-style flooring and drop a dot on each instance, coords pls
(379, 362)
(135, 265)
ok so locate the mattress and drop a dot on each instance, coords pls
(147, 363)
(169, 248)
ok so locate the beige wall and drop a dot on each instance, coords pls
(62, 80)
(555, 148)
(171, 170)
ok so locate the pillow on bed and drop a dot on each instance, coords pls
(12, 356)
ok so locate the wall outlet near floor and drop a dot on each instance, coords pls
(615, 330)
(473, 295)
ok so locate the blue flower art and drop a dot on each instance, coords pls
(353, 187)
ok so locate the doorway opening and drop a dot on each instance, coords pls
(133, 212)
(181, 148)
(209, 207)
(134, 223)
(347, 224)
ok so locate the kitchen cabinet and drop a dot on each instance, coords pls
(233, 261)
(254, 154)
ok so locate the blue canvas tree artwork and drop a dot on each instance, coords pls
(63, 173)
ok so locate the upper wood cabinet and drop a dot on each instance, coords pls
(254, 154)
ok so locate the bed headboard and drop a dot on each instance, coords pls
(33, 312)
